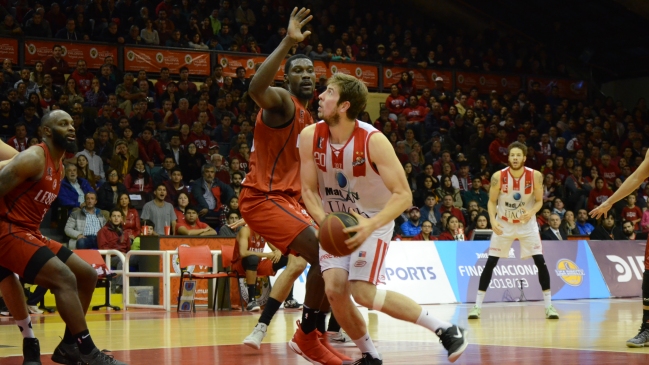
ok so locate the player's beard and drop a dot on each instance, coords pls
(511, 166)
(332, 120)
(62, 142)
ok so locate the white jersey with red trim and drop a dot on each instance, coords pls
(347, 179)
(516, 194)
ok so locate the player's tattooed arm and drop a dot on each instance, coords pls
(27, 165)
(494, 180)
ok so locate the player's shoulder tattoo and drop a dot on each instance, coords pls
(495, 179)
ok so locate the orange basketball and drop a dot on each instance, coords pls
(332, 238)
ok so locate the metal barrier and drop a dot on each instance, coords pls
(166, 276)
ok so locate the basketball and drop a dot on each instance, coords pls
(332, 238)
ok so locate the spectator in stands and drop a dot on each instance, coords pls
(631, 234)
(161, 176)
(175, 185)
(448, 206)
(55, 17)
(476, 194)
(191, 163)
(73, 189)
(558, 207)
(107, 84)
(192, 226)
(555, 232)
(149, 149)
(543, 218)
(395, 102)
(498, 149)
(481, 222)
(149, 34)
(108, 193)
(569, 224)
(38, 27)
(110, 34)
(448, 188)
(584, 227)
(138, 179)
(599, 194)
(607, 229)
(452, 231)
(426, 232)
(128, 93)
(84, 171)
(226, 231)
(130, 216)
(56, 66)
(95, 163)
(32, 87)
(160, 212)
(19, 141)
(412, 226)
(210, 193)
(70, 33)
(95, 97)
(430, 212)
(113, 236)
(631, 212)
(577, 189)
(83, 224)
(122, 160)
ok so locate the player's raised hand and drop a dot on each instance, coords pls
(601, 210)
(297, 21)
(237, 224)
(362, 230)
(496, 227)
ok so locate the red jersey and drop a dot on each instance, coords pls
(632, 214)
(277, 166)
(28, 202)
(255, 244)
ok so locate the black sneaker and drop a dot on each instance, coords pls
(367, 359)
(67, 354)
(454, 341)
(97, 357)
(31, 351)
(641, 339)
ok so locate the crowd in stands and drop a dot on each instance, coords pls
(160, 151)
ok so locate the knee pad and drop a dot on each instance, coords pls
(538, 260)
(250, 262)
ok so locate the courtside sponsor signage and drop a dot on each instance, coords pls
(622, 265)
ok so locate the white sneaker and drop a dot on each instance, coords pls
(33, 309)
(339, 338)
(254, 339)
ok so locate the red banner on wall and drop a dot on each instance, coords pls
(367, 73)
(152, 60)
(569, 89)
(9, 49)
(93, 54)
(424, 77)
(485, 83)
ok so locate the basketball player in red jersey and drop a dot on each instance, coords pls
(33, 178)
(349, 157)
(630, 185)
(270, 196)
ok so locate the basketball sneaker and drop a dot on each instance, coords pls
(31, 351)
(97, 357)
(551, 313)
(309, 347)
(254, 339)
(339, 337)
(367, 359)
(325, 342)
(253, 306)
(292, 304)
(454, 341)
(474, 313)
(641, 339)
(67, 354)
(33, 309)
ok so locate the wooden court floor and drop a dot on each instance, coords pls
(589, 332)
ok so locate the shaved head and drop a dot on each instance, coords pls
(54, 116)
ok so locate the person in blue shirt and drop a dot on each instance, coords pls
(412, 227)
(584, 227)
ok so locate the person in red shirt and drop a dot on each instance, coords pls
(395, 102)
(424, 99)
(56, 66)
(498, 149)
(161, 84)
(632, 213)
(608, 171)
(130, 216)
(192, 226)
(82, 77)
(426, 233)
(200, 139)
(183, 113)
(149, 149)
(447, 206)
(452, 231)
(19, 142)
(415, 113)
(599, 194)
(168, 119)
(560, 170)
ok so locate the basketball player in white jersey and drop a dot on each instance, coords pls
(515, 196)
(349, 166)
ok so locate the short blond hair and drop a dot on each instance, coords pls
(352, 90)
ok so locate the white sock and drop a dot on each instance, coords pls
(430, 322)
(479, 298)
(547, 298)
(366, 345)
(25, 326)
